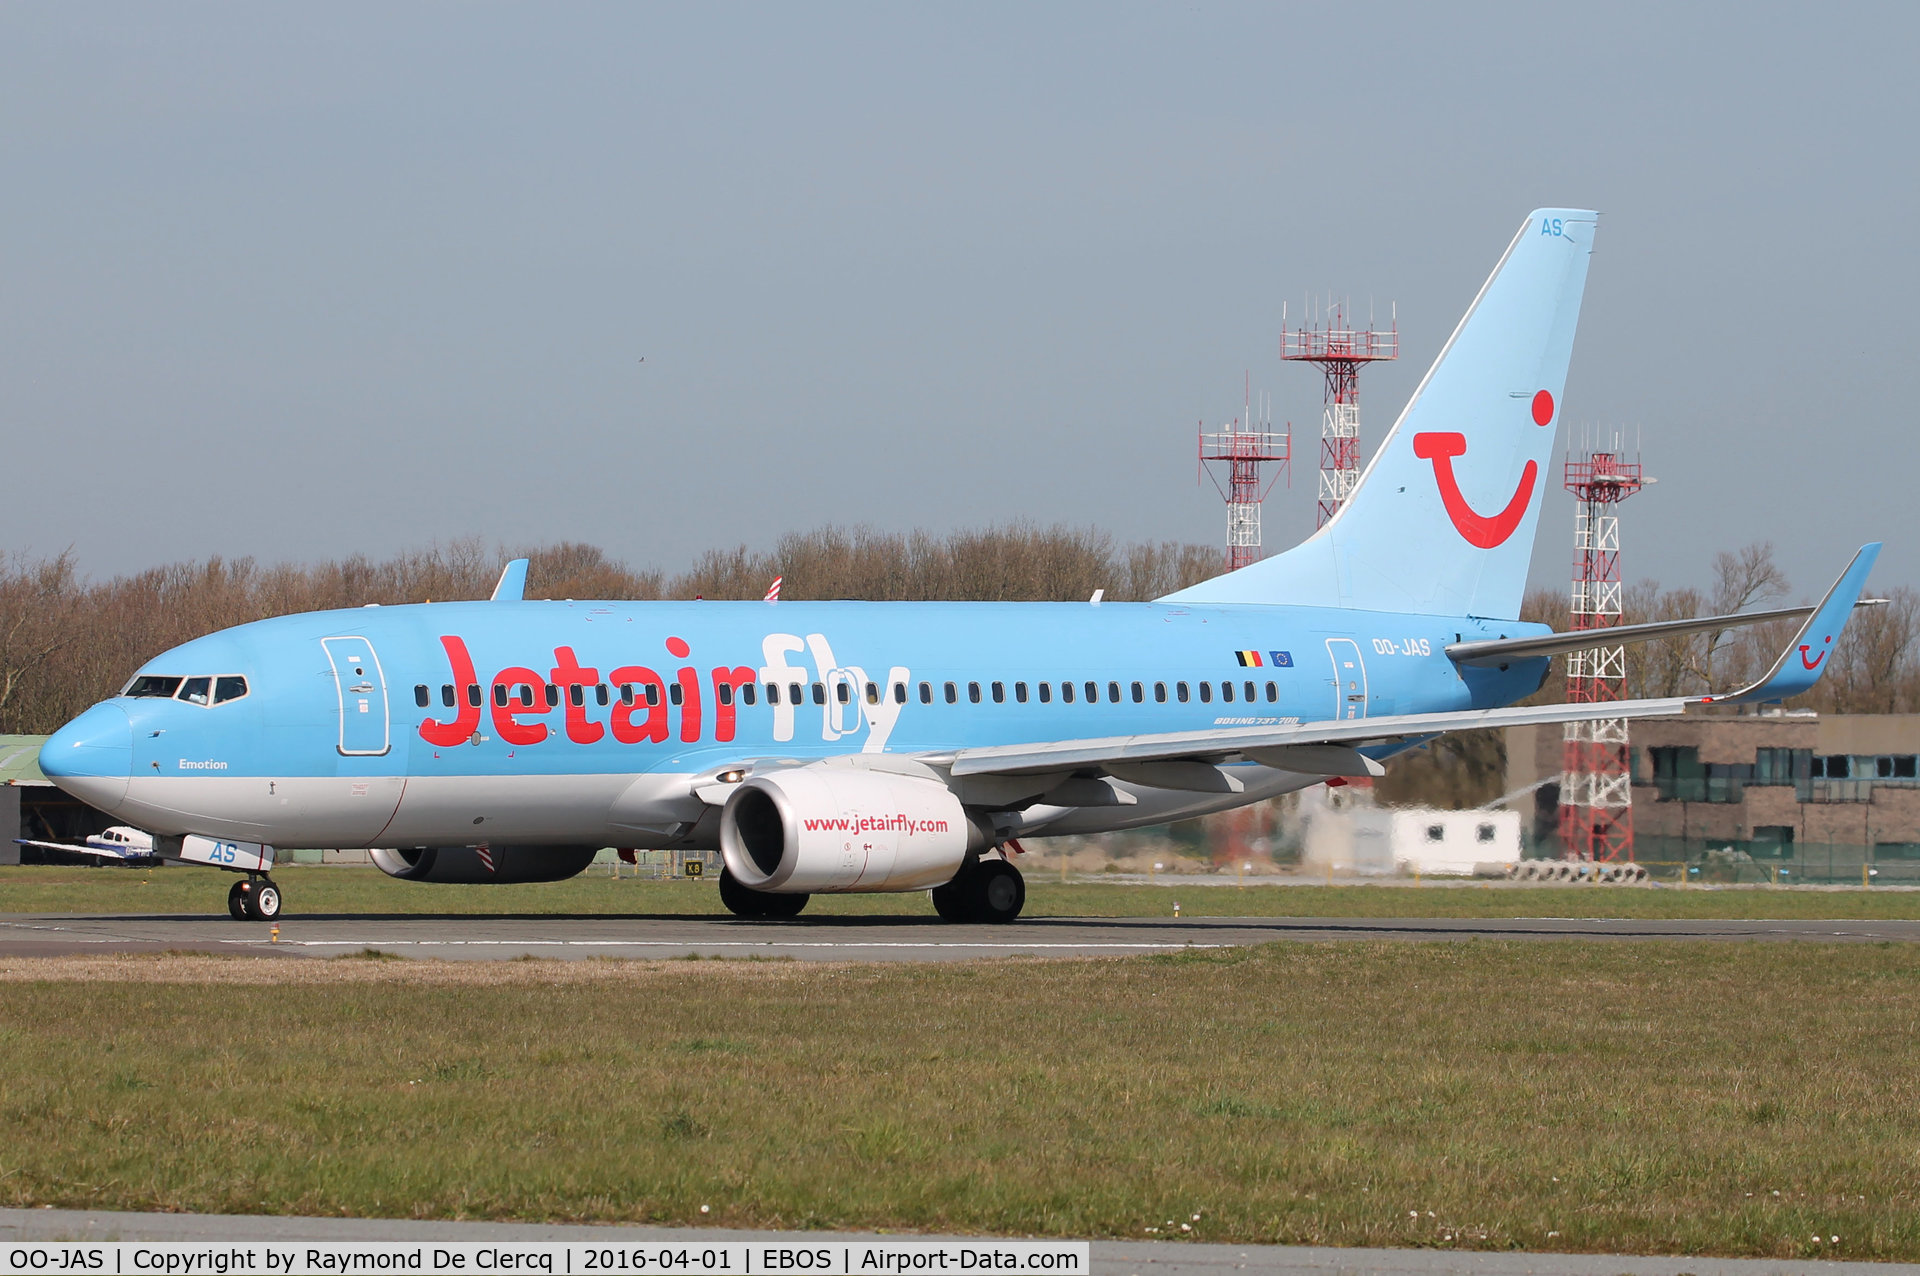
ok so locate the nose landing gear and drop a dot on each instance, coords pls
(256, 899)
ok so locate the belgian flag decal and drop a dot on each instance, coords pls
(1248, 659)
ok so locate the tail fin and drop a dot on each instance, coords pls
(1442, 521)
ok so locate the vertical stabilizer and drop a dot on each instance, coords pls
(1443, 519)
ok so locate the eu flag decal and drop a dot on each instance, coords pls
(1282, 659)
(1248, 659)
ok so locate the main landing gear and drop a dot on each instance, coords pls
(744, 901)
(982, 891)
(255, 899)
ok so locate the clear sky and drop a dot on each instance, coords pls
(301, 281)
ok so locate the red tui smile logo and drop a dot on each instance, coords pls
(1813, 662)
(1481, 530)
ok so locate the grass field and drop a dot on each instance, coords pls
(1727, 1098)
(316, 890)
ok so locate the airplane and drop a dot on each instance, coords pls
(127, 845)
(828, 747)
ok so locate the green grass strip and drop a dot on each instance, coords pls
(1737, 1098)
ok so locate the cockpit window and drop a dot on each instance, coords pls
(195, 690)
(154, 686)
(228, 687)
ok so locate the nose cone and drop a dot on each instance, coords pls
(92, 756)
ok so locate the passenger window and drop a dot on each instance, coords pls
(900, 692)
(626, 694)
(230, 687)
(1226, 692)
(840, 692)
(1020, 692)
(552, 696)
(1180, 692)
(577, 695)
(1093, 693)
(951, 696)
(1139, 693)
(873, 693)
(999, 693)
(1066, 693)
(1250, 693)
(1273, 693)
(600, 694)
(421, 696)
(653, 695)
(724, 692)
(473, 694)
(446, 695)
(926, 693)
(973, 692)
(673, 692)
(794, 695)
(1206, 693)
(773, 693)
(747, 692)
(819, 693)
(1159, 693)
(1046, 693)
(196, 690)
(500, 695)
(1113, 693)
(153, 686)
(526, 694)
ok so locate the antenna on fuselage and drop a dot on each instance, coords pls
(513, 583)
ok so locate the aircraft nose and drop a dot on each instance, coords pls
(92, 756)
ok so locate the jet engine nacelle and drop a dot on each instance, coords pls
(836, 828)
(466, 864)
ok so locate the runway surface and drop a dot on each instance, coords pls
(479, 937)
(1110, 1258)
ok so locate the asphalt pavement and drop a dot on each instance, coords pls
(484, 937)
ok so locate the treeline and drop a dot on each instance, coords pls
(66, 642)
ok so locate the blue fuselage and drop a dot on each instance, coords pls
(437, 723)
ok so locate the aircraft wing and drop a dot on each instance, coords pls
(98, 852)
(1287, 745)
(1331, 747)
(1502, 651)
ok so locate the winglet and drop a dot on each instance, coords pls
(513, 583)
(1805, 658)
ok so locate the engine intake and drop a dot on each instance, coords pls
(833, 828)
(466, 864)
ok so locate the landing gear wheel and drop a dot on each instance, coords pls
(744, 901)
(240, 900)
(266, 900)
(953, 901)
(999, 891)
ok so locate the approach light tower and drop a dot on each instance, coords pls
(1596, 794)
(1244, 447)
(1339, 350)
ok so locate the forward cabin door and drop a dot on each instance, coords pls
(1349, 678)
(365, 731)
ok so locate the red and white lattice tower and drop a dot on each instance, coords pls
(1244, 446)
(1596, 795)
(1339, 349)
